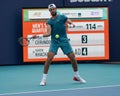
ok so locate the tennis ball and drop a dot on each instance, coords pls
(57, 36)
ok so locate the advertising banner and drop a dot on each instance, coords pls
(89, 38)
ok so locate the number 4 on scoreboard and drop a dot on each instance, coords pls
(84, 51)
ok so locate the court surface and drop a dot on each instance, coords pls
(23, 80)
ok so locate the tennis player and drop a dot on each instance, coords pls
(56, 26)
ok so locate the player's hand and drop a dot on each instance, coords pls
(71, 25)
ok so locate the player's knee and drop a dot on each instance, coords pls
(72, 55)
(50, 56)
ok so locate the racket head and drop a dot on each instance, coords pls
(23, 41)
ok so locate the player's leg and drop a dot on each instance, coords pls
(48, 61)
(73, 60)
(67, 49)
(46, 67)
(52, 51)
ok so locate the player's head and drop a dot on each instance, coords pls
(52, 8)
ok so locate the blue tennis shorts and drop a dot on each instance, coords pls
(65, 47)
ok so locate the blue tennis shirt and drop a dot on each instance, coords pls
(58, 27)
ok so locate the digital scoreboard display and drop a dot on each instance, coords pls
(89, 38)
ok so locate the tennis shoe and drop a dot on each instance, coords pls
(79, 79)
(43, 83)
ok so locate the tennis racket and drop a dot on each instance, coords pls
(26, 41)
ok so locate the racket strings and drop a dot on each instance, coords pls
(26, 41)
(23, 41)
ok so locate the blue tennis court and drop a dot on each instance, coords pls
(23, 80)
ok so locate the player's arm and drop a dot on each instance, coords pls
(48, 33)
(70, 23)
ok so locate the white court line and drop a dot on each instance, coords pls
(69, 89)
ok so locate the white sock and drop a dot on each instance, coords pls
(77, 73)
(44, 77)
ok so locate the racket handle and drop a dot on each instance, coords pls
(40, 37)
(35, 37)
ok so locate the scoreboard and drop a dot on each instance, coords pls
(89, 38)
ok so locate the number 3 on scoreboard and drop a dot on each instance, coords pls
(84, 39)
